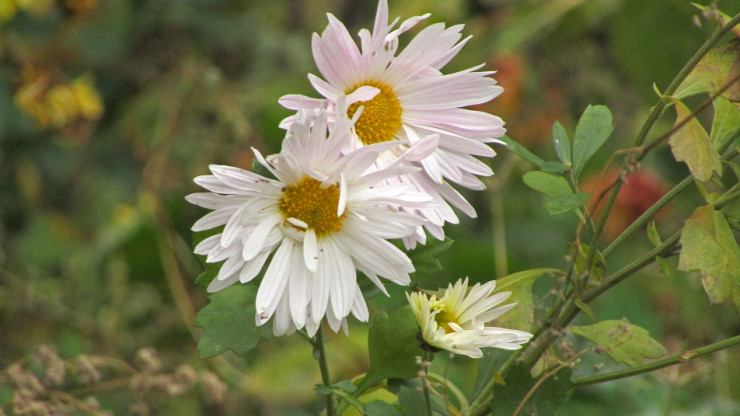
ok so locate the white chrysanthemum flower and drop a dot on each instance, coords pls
(323, 218)
(406, 98)
(456, 320)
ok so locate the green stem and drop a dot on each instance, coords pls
(318, 344)
(545, 336)
(479, 406)
(459, 395)
(626, 271)
(639, 222)
(425, 383)
(654, 115)
(655, 365)
(584, 212)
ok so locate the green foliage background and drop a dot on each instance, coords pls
(95, 247)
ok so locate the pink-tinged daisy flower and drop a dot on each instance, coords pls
(456, 320)
(406, 98)
(322, 219)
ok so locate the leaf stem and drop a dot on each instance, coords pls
(655, 365)
(318, 344)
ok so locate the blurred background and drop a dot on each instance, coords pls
(109, 109)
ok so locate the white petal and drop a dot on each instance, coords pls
(273, 284)
(258, 237)
(310, 250)
(253, 267)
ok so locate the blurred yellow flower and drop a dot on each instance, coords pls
(58, 104)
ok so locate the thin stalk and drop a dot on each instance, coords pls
(459, 395)
(425, 382)
(650, 122)
(543, 338)
(639, 222)
(318, 345)
(584, 212)
(478, 407)
(626, 271)
(655, 365)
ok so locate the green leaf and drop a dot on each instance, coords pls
(726, 123)
(708, 245)
(551, 185)
(381, 408)
(393, 347)
(554, 167)
(346, 385)
(426, 258)
(585, 309)
(653, 234)
(665, 267)
(691, 144)
(412, 401)
(543, 402)
(622, 341)
(520, 286)
(562, 143)
(567, 203)
(592, 130)
(522, 151)
(228, 322)
(713, 72)
(580, 253)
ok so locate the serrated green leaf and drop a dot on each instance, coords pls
(393, 347)
(713, 71)
(554, 167)
(562, 143)
(522, 151)
(593, 129)
(551, 185)
(520, 286)
(426, 258)
(543, 402)
(653, 235)
(228, 322)
(692, 145)
(381, 408)
(567, 203)
(726, 123)
(622, 341)
(708, 245)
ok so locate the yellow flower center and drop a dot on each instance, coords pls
(381, 116)
(316, 206)
(443, 317)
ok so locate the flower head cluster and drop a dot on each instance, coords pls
(455, 321)
(407, 99)
(324, 216)
(369, 162)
